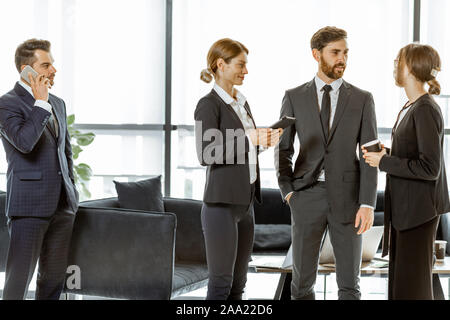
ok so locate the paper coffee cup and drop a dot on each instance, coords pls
(373, 146)
(439, 249)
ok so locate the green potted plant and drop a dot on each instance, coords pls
(82, 171)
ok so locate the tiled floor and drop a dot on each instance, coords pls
(261, 286)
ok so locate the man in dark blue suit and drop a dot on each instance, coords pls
(41, 196)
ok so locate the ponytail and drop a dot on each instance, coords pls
(435, 87)
(206, 75)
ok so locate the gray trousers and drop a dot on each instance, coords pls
(229, 232)
(311, 215)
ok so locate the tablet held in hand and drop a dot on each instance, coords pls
(283, 123)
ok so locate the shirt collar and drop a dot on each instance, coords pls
(336, 84)
(240, 98)
(26, 87)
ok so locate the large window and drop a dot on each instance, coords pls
(112, 69)
(277, 34)
(435, 28)
(110, 57)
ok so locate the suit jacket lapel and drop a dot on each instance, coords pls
(26, 97)
(404, 119)
(247, 108)
(313, 106)
(230, 109)
(29, 102)
(344, 93)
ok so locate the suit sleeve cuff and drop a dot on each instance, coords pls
(44, 105)
(382, 163)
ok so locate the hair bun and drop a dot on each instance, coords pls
(435, 87)
(206, 75)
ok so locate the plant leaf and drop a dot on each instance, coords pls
(84, 171)
(85, 139)
(76, 149)
(70, 120)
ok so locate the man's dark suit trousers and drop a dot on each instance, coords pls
(46, 239)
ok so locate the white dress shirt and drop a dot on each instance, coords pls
(238, 106)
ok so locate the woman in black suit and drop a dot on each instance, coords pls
(416, 186)
(228, 144)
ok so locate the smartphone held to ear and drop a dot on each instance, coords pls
(26, 71)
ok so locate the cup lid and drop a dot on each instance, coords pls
(370, 143)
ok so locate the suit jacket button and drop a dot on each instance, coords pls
(59, 172)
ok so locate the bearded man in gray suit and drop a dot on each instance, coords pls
(330, 186)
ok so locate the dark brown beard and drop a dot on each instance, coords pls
(329, 70)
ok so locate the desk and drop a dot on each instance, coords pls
(272, 264)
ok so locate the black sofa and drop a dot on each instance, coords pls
(159, 256)
(104, 239)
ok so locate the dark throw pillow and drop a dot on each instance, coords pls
(272, 236)
(143, 195)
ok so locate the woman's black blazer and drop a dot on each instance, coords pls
(224, 153)
(416, 185)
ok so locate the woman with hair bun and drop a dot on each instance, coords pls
(228, 144)
(416, 183)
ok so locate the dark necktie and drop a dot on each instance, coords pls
(53, 123)
(325, 111)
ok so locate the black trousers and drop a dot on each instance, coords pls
(411, 262)
(46, 239)
(229, 234)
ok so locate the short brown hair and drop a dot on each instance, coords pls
(325, 35)
(25, 51)
(421, 60)
(227, 49)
